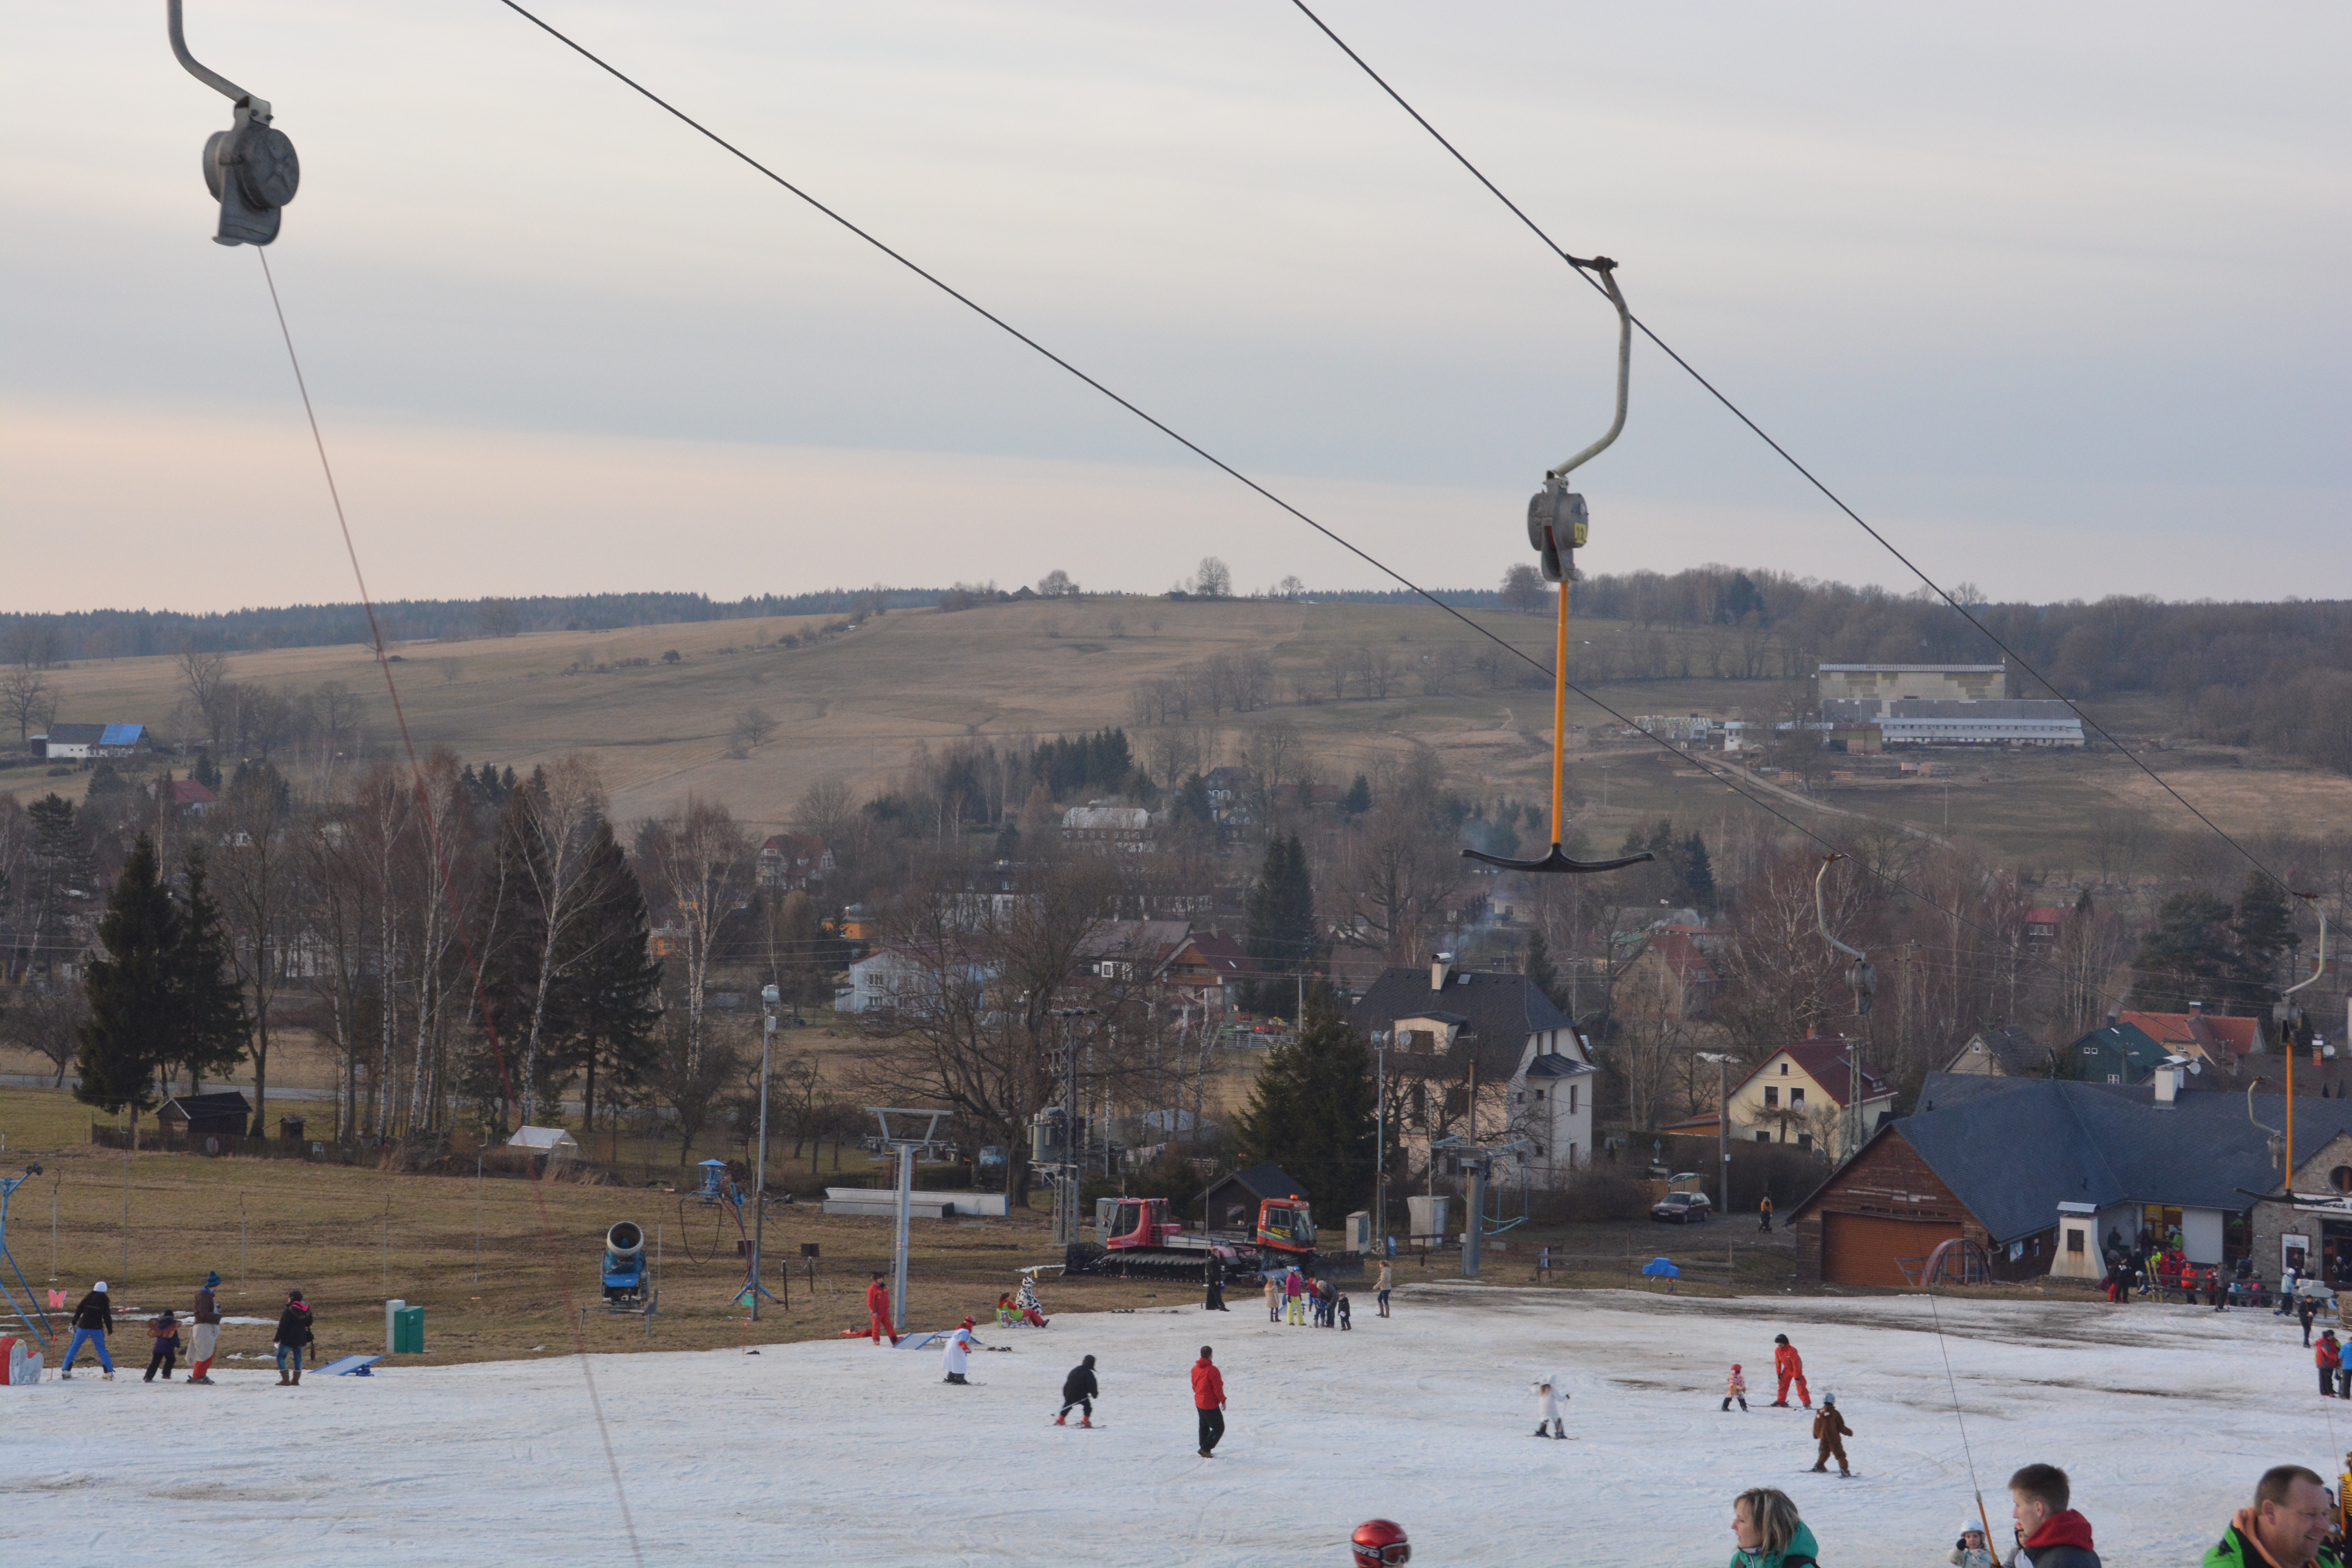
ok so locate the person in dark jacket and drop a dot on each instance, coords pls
(2307, 1306)
(294, 1335)
(164, 1335)
(2287, 1527)
(205, 1316)
(2050, 1534)
(1216, 1277)
(93, 1320)
(1079, 1389)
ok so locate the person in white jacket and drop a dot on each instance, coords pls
(957, 1357)
(1549, 1397)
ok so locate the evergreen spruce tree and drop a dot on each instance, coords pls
(1313, 1110)
(513, 929)
(1698, 873)
(2188, 956)
(1542, 973)
(2265, 935)
(1359, 798)
(1280, 936)
(213, 1025)
(603, 1001)
(132, 992)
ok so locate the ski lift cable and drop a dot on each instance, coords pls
(981, 310)
(1584, 270)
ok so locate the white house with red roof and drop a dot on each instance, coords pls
(1799, 1093)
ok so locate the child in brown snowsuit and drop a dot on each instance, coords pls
(1829, 1426)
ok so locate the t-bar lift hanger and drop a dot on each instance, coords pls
(1556, 529)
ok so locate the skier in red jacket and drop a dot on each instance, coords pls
(1790, 1366)
(877, 1305)
(1209, 1400)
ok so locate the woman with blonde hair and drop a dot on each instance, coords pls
(1770, 1535)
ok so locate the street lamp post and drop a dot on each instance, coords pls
(1722, 1123)
(759, 1165)
(1380, 1147)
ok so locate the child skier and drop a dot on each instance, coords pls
(1971, 1551)
(1005, 1316)
(1031, 1310)
(1736, 1387)
(1829, 1428)
(1273, 1299)
(1079, 1389)
(1549, 1393)
(1294, 1290)
(1345, 1320)
(163, 1334)
(956, 1359)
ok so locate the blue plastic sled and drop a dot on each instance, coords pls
(349, 1367)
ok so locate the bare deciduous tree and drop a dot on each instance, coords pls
(700, 859)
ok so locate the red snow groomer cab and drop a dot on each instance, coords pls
(1143, 1242)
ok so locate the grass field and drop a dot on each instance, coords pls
(854, 706)
(504, 1266)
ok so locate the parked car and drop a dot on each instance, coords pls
(1683, 1208)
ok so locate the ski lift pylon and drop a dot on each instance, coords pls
(1556, 526)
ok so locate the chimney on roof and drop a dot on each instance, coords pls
(2168, 1084)
(1441, 964)
(2196, 1009)
(2115, 1016)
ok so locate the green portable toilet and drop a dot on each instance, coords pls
(408, 1331)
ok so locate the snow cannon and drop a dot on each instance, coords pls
(625, 1268)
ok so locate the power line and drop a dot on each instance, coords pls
(1187, 443)
(1582, 270)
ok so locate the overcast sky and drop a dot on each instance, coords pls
(2056, 294)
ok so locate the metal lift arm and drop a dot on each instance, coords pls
(205, 74)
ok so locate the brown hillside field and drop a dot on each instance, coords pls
(852, 707)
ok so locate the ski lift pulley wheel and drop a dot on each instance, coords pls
(1557, 526)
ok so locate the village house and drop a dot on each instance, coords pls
(2002, 1052)
(791, 862)
(1127, 828)
(1211, 968)
(1797, 1094)
(2040, 1172)
(80, 743)
(2210, 1036)
(1483, 1056)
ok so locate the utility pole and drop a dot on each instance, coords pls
(1722, 1123)
(1380, 1147)
(767, 999)
(1070, 1171)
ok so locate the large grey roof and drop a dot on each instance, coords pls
(2013, 1150)
(1502, 1010)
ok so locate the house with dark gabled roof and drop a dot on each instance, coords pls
(2041, 1172)
(1483, 1055)
(2004, 1052)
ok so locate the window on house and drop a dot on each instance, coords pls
(1804, 1140)
(1539, 1150)
(1765, 1136)
(1571, 1099)
(1784, 1069)
(2340, 1178)
(1539, 1094)
(1796, 1098)
(1772, 1097)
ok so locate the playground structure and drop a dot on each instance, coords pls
(21, 1302)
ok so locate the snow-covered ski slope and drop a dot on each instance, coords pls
(839, 1453)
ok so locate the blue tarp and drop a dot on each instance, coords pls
(1661, 1268)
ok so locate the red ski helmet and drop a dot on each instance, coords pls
(1735, 1366)
(1380, 1542)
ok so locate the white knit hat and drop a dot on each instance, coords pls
(101, 1287)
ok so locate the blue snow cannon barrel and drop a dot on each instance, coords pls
(624, 1267)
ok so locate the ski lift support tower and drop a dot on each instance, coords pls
(906, 1147)
(1477, 1161)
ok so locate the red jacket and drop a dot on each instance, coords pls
(1207, 1386)
(1787, 1362)
(2066, 1529)
(878, 1300)
(2327, 1353)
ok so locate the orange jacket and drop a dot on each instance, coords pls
(878, 1300)
(1207, 1386)
(1787, 1362)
